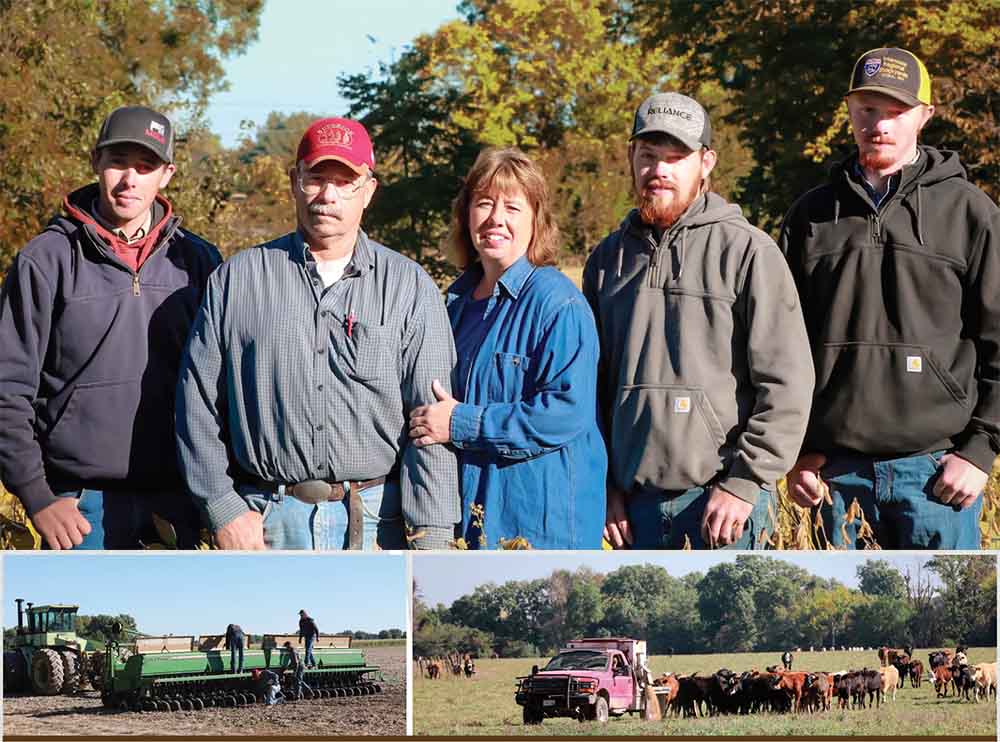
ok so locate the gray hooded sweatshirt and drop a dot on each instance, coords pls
(705, 372)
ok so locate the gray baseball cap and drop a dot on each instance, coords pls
(677, 115)
(139, 125)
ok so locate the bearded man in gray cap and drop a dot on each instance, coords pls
(704, 387)
(93, 318)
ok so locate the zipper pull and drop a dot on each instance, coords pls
(135, 284)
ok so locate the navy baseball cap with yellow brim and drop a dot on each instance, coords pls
(893, 72)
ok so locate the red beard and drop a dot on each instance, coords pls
(655, 212)
(875, 159)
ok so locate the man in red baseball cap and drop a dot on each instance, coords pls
(307, 355)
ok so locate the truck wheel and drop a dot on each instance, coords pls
(47, 672)
(532, 715)
(601, 712)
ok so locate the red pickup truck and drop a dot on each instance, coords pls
(590, 679)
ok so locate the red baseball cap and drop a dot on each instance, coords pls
(337, 139)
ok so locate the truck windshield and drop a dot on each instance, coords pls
(580, 660)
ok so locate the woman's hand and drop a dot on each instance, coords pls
(431, 423)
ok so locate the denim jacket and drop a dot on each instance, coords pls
(531, 453)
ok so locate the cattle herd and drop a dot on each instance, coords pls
(781, 690)
(457, 665)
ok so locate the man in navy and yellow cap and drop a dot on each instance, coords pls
(897, 262)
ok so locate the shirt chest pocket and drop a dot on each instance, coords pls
(368, 352)
(508, 377)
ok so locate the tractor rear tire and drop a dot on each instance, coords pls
(15, 672)
(71, 672)
(47, 672)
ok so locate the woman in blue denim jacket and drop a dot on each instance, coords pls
(524, 414)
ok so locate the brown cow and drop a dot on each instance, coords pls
(434, 670)
(888, 656)
(942, 678)
(916, 673)
(666, 700)
(793, 684)
(818, 691)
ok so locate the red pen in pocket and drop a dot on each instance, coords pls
(350, 325)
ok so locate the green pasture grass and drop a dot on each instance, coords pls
(378, 643)
(487, 703)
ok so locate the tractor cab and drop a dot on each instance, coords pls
(45, 625)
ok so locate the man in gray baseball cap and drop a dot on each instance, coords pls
(703, 385)
(93, 318)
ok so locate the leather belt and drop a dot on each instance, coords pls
(315, 491)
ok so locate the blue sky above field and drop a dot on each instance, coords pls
(443, 578)
(201, 593)
(303, 45)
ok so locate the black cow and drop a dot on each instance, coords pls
(786, 659)
(873, 685)
(902, 664)
(965, 681)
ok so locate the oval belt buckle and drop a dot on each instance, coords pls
(313, 491)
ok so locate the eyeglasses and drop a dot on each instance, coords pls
(313, 185)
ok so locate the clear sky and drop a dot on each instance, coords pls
(303, 45)
(201, 593)
(443, 578)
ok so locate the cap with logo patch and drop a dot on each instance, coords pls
(138, 125)
(337, 139)
(893, 72)
(677, 115)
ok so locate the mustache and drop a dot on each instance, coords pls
(325, 210)
(881, 139)
(658, 183)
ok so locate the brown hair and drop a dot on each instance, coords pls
(504, 171)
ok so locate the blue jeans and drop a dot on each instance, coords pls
(293, 524)
(662, 519)
(124, 519)
(236, 653)
(896, 498)
(309, 660)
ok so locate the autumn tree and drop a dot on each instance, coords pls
(65, 66)
(787, 66)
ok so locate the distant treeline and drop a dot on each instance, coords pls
(756, 603)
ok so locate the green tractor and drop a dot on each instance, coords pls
(47, 657)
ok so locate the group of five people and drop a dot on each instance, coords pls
(315, 392)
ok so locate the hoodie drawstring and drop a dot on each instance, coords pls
(920, 231)
(621, 252)
(680, 253)
(836, 209)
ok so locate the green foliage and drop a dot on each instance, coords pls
(878, 578)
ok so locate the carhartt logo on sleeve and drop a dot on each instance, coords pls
(914, 364)
(682, 404)
(157, 131)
